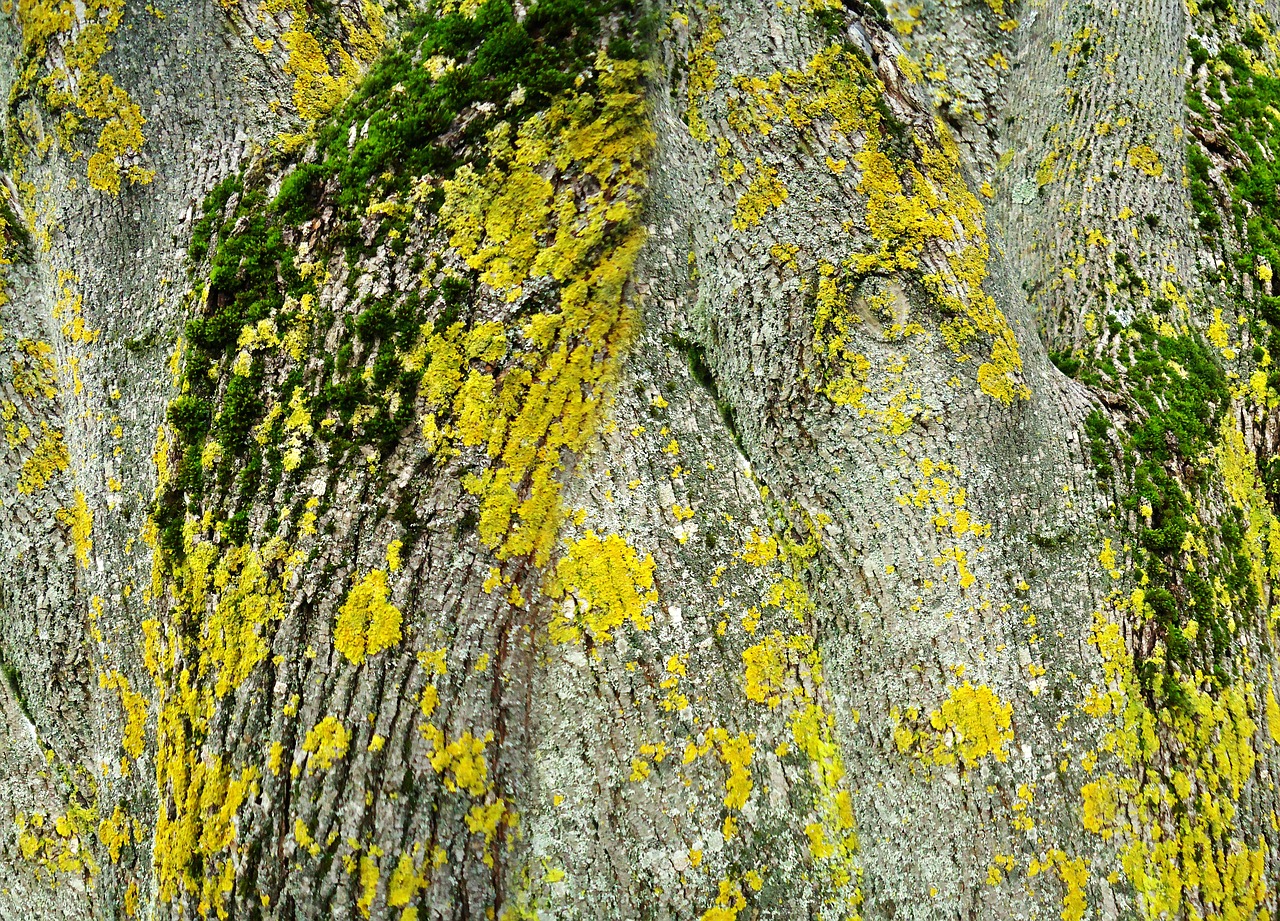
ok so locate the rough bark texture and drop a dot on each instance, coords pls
(638, 460)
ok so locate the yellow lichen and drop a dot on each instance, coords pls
(921, 214)
(1074, 873)
(1144, 158)
(79, 518)
(47, 460)
(326, 742)
(512, 225)
(135, 711)
(325, 73)
(231, 593)
(73, 37)
(1202, 857)
(113, 832)
(1100, 805)
(728, 903)
(973, 723)
(461, 762)
(765, 192)
(769, 664)
(703, 72)
(369, 876)
(610, 583)
(407, 880)
(367, 623)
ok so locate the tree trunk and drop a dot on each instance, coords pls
(610, 459)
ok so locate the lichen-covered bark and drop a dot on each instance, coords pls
(610, 459)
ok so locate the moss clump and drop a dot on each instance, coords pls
(1202, 201)
(447, 66)
(215, 204)
(1183, 393)
(190, 416)
(1176, 394)
(1097, 431)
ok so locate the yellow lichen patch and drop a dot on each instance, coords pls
(834, 327)
(203, 827)
(832, 838)
(784, 672)
(1217, 332)
(728, 903)
(58, 843)
(703, 71)
(232, 635)
(369, 876)
(1243, 485)
(72, 36)
(610, 583)
(407, 879)
(759, 549)
(936, 490)
(1273, 712)
(1099, 805)
(485, 818)
(675, 700)
(135, 712)
(34, 372)
(275, 755)
(973, 723)
(367, 622)
(79, 518)
(302, 835)
(512, 226)
(113, 832)
(769, 664)
(219, 600)
(1141, 157)
(765, 192)
(922, 217)
(1202, 858)
(47, 460)
(433, 663)
(1074, 873)
(131, 899)
(325, 73)
(735, 754)
(325, 742)
(461, 762)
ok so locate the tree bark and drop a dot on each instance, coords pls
(639, 460)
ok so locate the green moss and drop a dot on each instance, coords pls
(13, 678)
(18, 247)
(242, 406)
(1065, 362)
(377, 321)
(403, 110)
(190, 416)
(374, 173)
(1202, 201)
(696, 357)
(214, 204)
(1097, 429)
(1179, 394)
